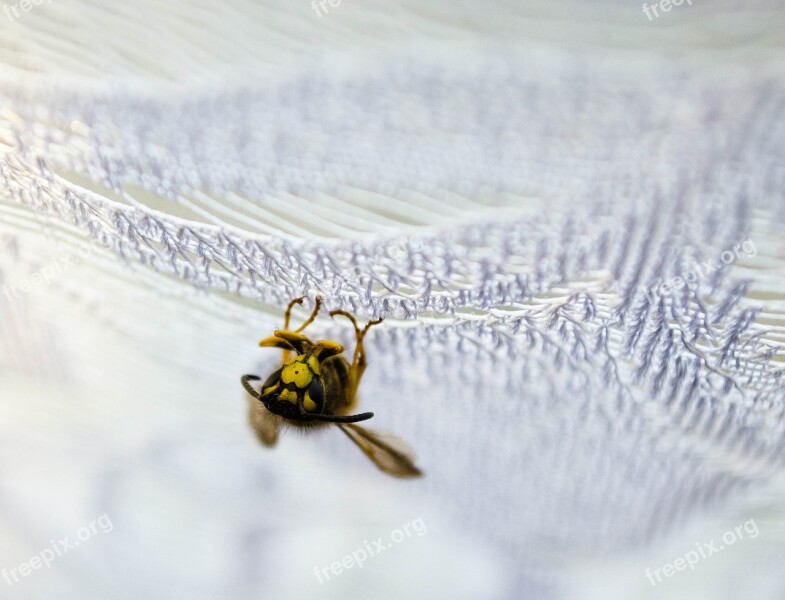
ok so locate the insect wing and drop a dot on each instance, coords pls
(264, 424)
(387, 451)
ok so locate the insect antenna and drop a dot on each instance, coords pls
(342, 419)
(245, 379)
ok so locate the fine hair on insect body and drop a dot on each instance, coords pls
(316, 387)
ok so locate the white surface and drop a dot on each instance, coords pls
(490, 177)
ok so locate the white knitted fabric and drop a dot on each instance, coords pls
(172, 175)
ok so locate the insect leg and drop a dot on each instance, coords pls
(286, 352)
(358, 334)
(358, 361)
(349, 316)
(317, 306)
(289, 310)
(285, 344)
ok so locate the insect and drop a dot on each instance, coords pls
(316, 387)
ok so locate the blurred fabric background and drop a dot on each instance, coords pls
(507, 184)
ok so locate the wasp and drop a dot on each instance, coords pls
(316, 387)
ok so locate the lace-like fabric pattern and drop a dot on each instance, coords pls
(512, 228)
